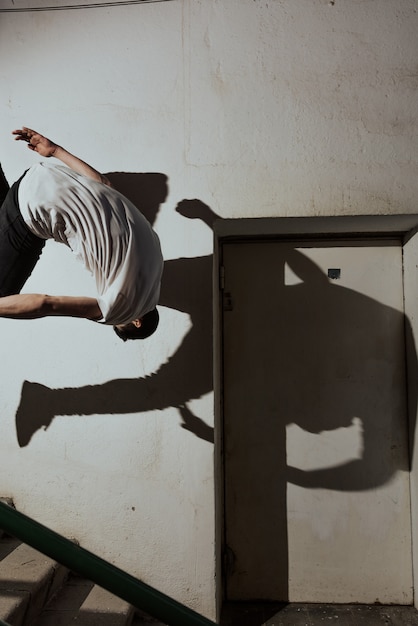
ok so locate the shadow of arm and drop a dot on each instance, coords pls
(196, 209)
(195, 425)
(352, 476)
(384, 453)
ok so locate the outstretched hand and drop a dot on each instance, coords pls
(36, 142)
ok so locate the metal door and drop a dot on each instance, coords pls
(317, 502)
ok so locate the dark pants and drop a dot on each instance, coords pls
(19, 248)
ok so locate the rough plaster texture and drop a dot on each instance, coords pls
(253, 107)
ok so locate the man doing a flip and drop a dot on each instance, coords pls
(74, 204)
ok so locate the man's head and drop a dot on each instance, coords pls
(140, 328)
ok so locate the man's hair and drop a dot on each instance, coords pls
(149, 323)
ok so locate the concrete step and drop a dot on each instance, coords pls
(82, 603)
(37, 591)
(28, 579)
(85, 604)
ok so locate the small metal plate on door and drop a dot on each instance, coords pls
(334, 273)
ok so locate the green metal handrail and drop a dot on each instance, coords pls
(79, 560)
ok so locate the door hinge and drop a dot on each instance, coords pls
(228, 302)
(226, 296)
(222, 277)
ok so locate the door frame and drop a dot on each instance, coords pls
(334, 228)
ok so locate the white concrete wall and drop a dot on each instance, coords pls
(253, 107)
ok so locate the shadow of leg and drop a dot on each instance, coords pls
(184, 377)
(35, 411)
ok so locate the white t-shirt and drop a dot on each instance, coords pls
(104, 230)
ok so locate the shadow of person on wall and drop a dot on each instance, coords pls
(187, 375)
(332, 331)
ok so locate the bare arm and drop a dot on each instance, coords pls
(34, 305)
(47, 148)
